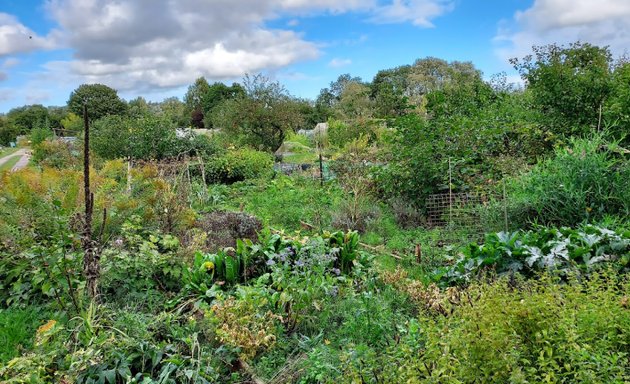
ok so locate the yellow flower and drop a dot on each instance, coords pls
(208, 265)
(589, 209)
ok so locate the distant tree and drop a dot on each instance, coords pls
(263, 116)
(354, 102)
(570, 85)
(8, 131)
(175, 110)
(389, 90)
(146, 137)
(193, 99)
(323, 105)
(28, 117)
(71, 124)
(217, 93)
(337, 87)
(101, 101)
(617, 107)
(139, 107)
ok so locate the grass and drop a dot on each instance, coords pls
(17, 330)
(8, 151)
(8, 165)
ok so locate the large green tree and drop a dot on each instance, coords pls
(8, 131)
(28, 117)
(569, 84)
(263, 116)
(101, 101)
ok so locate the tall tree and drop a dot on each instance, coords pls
(263, 116)
(28, 117)
(100, 100)
(194, 101)
(570, 85)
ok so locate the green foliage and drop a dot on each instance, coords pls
(147, 137)
(570, 85)
(540, 331)
(39, 135)
(17, 327)
(24, 119)
(285, 202)
(141, 261)
(335, 252)
(8, 132)
(57, 154)
(238, 165)
(562, 250)
(100, 99)
(263, 116)
(340, 133)
(45, 270)
(582, 182)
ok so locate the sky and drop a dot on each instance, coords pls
(157, 48)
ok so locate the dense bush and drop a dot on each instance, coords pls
(238, 165)
(538, 331)
(582, 182)
(341, 133)
(57, 154)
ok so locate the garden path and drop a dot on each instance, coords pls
(23, 162)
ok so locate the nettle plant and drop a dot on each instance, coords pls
(561, 250)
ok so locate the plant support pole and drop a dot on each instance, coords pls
(321, 170)
(505, 213)
(450, 193)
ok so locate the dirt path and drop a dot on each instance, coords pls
(23, 162)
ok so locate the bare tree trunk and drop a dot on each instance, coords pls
(91, 265)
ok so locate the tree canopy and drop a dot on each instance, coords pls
(101, 101)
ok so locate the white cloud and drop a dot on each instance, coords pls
(418, 12)
(3, 76)
(17, 38)
(602, 22)
(338, 63)
(154, 45)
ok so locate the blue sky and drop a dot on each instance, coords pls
(156, 48)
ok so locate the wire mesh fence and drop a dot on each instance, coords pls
(463, 214)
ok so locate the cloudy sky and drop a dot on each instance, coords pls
(156, 48)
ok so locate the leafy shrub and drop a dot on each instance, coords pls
(550, 249)
(341, 133)
(57, 154)
(244, 325)
(238, 165)
(538, 331)
(39, 135)
(141, 261)
(583, 182)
